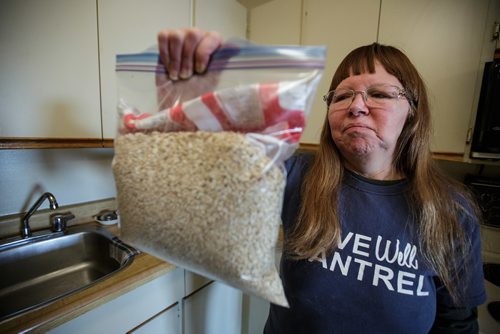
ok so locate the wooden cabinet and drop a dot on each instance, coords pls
(276, 22)
(341, 25)
(444, 39)
(58, 59)
(167, 321)
(316, 22)
(212, 309)
(255, 314)
(228, 17)
(256, 309)
(50, 73)
(130, 26)
(152, 305)
(177, 302)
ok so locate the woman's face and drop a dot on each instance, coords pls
(360, 131)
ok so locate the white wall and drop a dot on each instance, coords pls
(72, 175)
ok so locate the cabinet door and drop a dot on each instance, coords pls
(228, 17)
(214, 309)
(275, 22)
(255, 309)
(341, 25)
(193, 282)
(49, 85)
(131, 26)
(168, 322)
(444, 40)
(132, 309)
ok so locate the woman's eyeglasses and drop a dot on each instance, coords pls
(375, 96)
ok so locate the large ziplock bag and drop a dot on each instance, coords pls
(198, 163)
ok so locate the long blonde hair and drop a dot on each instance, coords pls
(432, 196)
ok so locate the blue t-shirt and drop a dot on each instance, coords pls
(376, 281)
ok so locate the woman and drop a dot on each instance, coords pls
(377, 240)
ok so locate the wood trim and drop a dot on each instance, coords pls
(309, 147)
(448, 156)
(108, 143)
(47, 143)
(42, 143)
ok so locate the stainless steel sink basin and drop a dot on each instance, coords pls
(46, 267)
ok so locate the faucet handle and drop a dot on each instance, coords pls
(58, 221)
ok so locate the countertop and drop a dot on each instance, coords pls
(143, 269)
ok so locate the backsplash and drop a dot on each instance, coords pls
(458, 170)
(72, 175)
(84, 212)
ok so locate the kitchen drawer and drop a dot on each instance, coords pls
(131, 309)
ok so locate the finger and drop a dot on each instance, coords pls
(170, 47)
(163, 46)
(175, 46)
(192, 38)
(210, 42)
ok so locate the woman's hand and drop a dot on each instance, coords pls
(187, 51)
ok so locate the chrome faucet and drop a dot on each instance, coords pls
(26, 230)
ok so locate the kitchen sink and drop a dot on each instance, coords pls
(47, 266)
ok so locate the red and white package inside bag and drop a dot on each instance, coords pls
(276, 108)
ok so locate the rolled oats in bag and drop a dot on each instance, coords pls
(198, 163)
